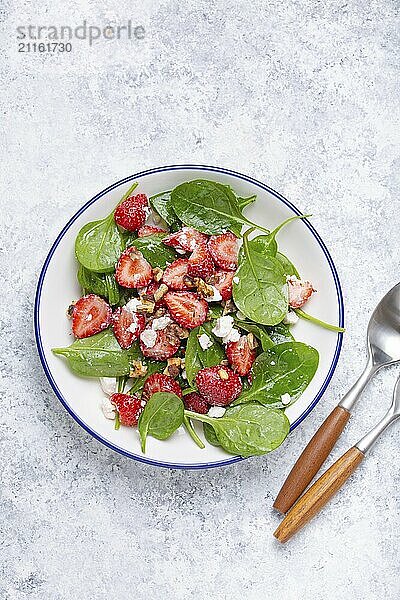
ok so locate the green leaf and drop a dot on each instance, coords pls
(286, 368)
(196, 358)
(243, 202)
(209, 434)
(279, 334)
(154, 251)
(161, 203)
(288, 267)
(259, 331)
(261, 292)
(162, 416)
(99, 243)
(300, 313)
(102, 284)
(267, 244)
(98, 356)
(249, 429)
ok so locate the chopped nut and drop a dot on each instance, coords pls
(157, 274)
(173, 367)
(223, 374)
(225, 362)
(203, 288)
(251, 340)
(228, 307)
(162, 290)
(70, 310)
(189, 282)
(146, 306)
(138, 369)
(176, 331)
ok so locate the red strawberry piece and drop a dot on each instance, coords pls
(240, 356)
(224, 250)
(200, 262)
(219, 385)
(149, 230)
(196, 403)
(222, 280)
(186, 308)
(127, 326)
(133, 270)
(186, 239)
(131, 214)
(175, 274)
(164, 347)
(299, 292)
(158, 382)
(91, 314)
(151, 289)
(129, 408)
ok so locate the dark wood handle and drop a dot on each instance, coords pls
(312, 458)
(319, 493)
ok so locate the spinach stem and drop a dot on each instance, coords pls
(287, 221)
(300, 313)
(246, 201)
(190, 429)
(117, 422)
(198, 417)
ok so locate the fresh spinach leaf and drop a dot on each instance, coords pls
(267, 244)
(286, 368)
(162, 204)
(99, 356)
(154, 251)
(300, 313)
(288, 267)
(99, 243)
(243, 202)
(161, 417)
(196, 358)
(280, 333)
(209, 434)
(102, 284)
(259, 331)
(248, 430)
(260, 293)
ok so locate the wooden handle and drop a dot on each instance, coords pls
(319, 493)
(312, 458)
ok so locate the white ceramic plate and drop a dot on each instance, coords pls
(58, 286)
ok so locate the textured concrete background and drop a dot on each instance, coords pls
(301, 94)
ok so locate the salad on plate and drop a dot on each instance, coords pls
(184, 318)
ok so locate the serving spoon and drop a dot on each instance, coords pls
(383, 339)
(332, 480)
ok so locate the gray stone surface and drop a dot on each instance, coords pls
(301, 94)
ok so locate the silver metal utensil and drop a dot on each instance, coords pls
(383, 342)
(332, 480)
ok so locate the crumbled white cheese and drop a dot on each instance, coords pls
(216, 411)
(180, 250)
(184, 375)
(286, 399)
(235, 279)
(143, 403)
(233, 336)
(240, 315)
(205, 342)
(149, 337)
(108, 385)
(223, 326)
(133, 327)
(108, 408)
(132, 305)
(216, 297)
(290, 318)
(225, 330)
(160, 323)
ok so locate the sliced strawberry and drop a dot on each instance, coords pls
(131, 214)
(164, 345)
(91, 314)
(175, 274)
(222, 280)
(186, 239)
(219, 385)
(240, 356)
(151, 289)
(299, 292)
(186, 308)
(196, 403)
(133, 270)
(129, 408)
(200, 262)
(127, 326)
(224, 250)
(158, 382)
(149, 230)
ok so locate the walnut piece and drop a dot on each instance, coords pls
(138, 369)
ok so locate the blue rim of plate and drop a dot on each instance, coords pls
(206, 168)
